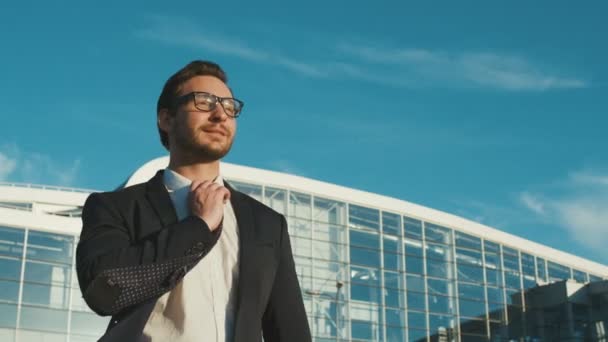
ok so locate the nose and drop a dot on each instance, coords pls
(218, 114)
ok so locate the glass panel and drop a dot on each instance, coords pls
(510, 259)
(440, 286)
(329, 211)
(328, 251)
(468, 241)
(299, 205)
(364, 239)
(472, 326)
(44, 336)
(365, 284)
(276, 199)
(440, 323)
(494, 277)
(413, 247)
(368, 253)
(527, 264)
(491, 247)
(471, 308)
(558, 272)
(252, 190)
(51, 296)
(437, 252)
(10, 268)
(391, 224)
(46, 273)
(439, 269)
(495, 294)
(416, 319)
(393, 290)
(417, 335)
(412, 228)
(363, 217)
(362, 330)
(414, 265)
(9, 290)
(471, 274)
(50, 247)
(541, 272)
(415, 283)
(392, 254)
(441, 304)
(44, 319)
(336, 240)
(512, 280)
(579, 276)
(8, 315)
(302, 247)
(467, 256)
(395, 317)
(439, 234)
(594, 278)
(394, 334)
(89, 324)
(416, 301)
(497, 311)
(11, 241)
(493, 261)
(470, 291)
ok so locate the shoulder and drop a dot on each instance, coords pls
(117, 198)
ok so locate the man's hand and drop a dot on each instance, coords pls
(206, 200)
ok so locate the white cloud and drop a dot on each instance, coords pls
(579, 207)
(401, 67)
(169, 30)
(32, 167)
(532, 203)
(7, 166)
(472, 69)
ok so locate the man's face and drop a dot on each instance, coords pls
(204, 134)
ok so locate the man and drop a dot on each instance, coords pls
(185, 257)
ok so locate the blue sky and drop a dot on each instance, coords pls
(493, 112)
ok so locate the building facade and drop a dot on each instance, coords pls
(371, 268)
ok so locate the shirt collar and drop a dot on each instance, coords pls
(175, 181)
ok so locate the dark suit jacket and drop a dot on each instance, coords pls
(133, 249)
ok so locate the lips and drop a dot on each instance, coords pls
(216, 131)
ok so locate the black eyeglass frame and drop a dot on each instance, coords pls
(192, 95)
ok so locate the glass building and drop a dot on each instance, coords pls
(371, 268)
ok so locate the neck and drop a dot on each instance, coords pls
(195, 169)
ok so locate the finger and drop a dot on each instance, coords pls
(226, 194)
(195, 184)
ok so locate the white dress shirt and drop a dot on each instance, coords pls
(202, 307)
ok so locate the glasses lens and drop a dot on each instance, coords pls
(231, 106)
(204, 101)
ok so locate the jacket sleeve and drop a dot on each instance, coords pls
(285, 317)
(114, 273)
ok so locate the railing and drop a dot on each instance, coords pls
(46, 187)
(58, 213)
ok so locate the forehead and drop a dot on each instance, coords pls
(209, 84)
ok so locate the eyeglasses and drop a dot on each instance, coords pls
(207, 102)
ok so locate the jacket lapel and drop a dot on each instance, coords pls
(159, 199)
(245, 220)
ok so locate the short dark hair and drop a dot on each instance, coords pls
(175, 82)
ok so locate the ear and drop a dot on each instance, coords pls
(163, 118)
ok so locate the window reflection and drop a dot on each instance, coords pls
(363, 217)
(391, 224)
(50, 247)
(435, 233)
(412, 228)
(276, 199)
(329, 211)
